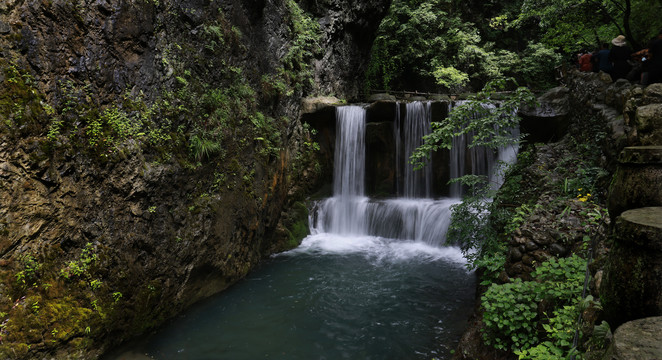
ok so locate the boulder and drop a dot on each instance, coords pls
(549, 121)
(653, 93)
(648, 124)
(314, 104)
(618, 93)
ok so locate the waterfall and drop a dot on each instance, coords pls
(349, 212)
(349, 156)
(416, 125)
(344, 212)
(398, 151)
(413, 216)
(482, 160)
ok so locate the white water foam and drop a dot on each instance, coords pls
(376, 249)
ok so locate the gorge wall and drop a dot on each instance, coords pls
(149, 151)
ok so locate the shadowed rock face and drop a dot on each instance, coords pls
(349, 28)
(118, 44)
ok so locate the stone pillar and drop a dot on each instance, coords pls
(632, 287)
(637, 181)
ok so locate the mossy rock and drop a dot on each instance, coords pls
(381, 97)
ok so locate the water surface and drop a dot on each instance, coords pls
(334, 297)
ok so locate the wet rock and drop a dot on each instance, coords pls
(514, 255)
(503, 277)
(618, 93)
(540, 256)
(531, 246)
(4, 28)
(542, 238)
(557, 250)
(648, 124)
(653, 93)
(519, 270)
(314, 104)
(527, 260)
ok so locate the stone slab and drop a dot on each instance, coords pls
(641, 155)
(642, 226)
(637, 339)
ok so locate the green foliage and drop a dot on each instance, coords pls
(22, 108)
(203, 147)
(537, 66)
(520, 215)
(570, 25)
(492, 264)
(267, 134)
(80, 267)
(560, 331)
(30, 272)
(418, 42)
(305, 34)
(490, 121)
(511, 309)
(563, 277)
(430, 44)
(450, 77)
(543, 351)
(470, 228)
(510, 314)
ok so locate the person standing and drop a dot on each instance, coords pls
(602, 59)
(619, 56)
(585, 63)
(655, 60)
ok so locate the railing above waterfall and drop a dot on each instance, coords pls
(407, 94)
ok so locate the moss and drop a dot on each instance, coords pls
(21, 106)
(297, 224)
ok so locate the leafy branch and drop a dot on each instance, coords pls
(488, 117)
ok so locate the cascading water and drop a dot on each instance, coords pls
(349, 212)
(483, 161)
(417, 125)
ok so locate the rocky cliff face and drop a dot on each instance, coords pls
(148, 150)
